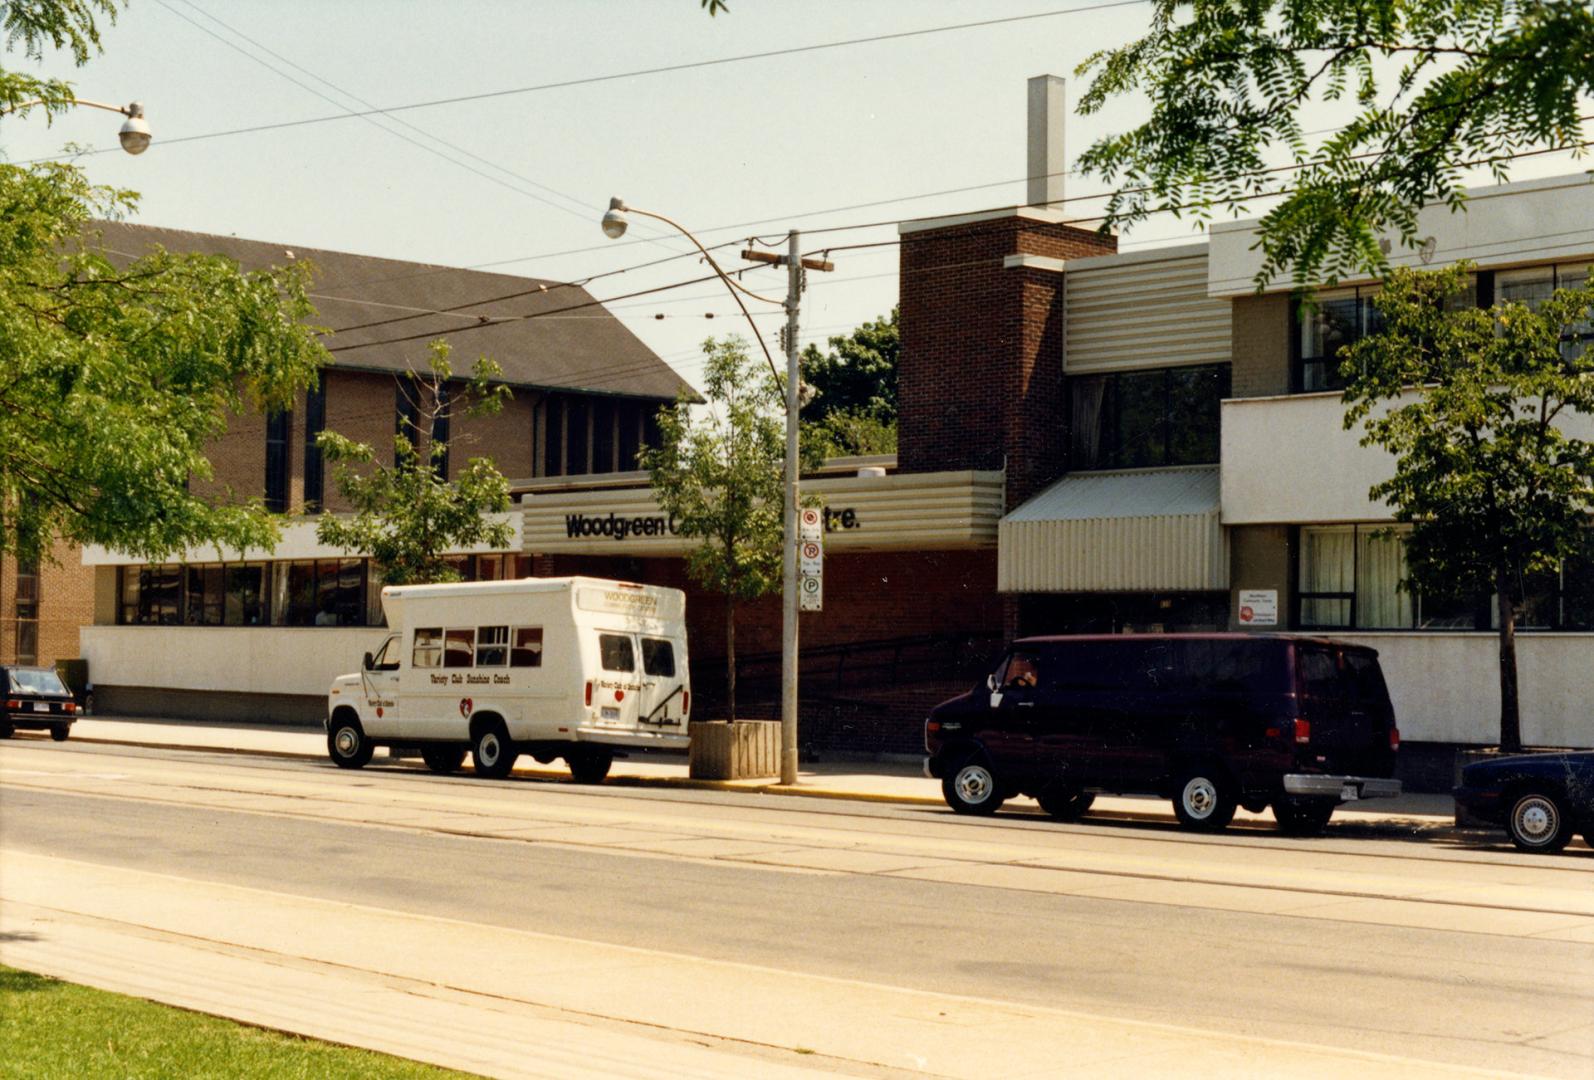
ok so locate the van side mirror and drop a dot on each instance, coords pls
(370, 661)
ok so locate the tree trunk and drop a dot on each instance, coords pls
(730, 659)
(1510, 719)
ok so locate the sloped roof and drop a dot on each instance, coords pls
(583, 348)
(1127, 494)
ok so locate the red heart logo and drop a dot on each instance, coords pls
(619, 695)
(464, 706)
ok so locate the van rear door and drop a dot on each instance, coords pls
(617, 692)
(663, 701)
(1345, 704)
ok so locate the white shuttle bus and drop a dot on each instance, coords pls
(575, 667)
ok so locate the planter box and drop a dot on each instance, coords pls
(745, 750)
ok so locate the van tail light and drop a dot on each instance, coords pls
(70, 707)
(1394, 738)
(1303, 731)
(589, 693)
(686, 702)
(932, 725)
(14, 705)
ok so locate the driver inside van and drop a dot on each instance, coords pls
(1021, 672)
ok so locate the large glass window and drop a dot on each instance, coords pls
(27, 612)
(278, 426)
(1533, 285)
(1144, 419)
(315, 421)
(1341, 318)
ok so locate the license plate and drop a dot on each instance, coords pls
(41, 706)
(1349, 793)
(610, 712)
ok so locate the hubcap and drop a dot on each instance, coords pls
(488, 749)
(1200, 797)
(348, 741)
(1536, 819)
(974, 784)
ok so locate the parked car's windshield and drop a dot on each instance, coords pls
(36, 681)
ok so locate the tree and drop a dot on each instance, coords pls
(1437, 86)
(854, 407)
(116, 375)
(1492, 487)
(717, 471)
(408, 515)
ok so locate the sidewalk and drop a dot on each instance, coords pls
(893, 782)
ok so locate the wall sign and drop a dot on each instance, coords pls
(1259, 607)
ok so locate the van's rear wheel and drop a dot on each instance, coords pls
(1064, 803)
(1303, 817)
(347, 745)
(443, 759)
(589, 764)
(972, 788)
(1204, 800)
(493, 754)
(59, 732)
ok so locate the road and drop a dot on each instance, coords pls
(540, 928)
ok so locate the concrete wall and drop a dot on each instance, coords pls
(1446, 686)
(1259, 558)
(235, 659)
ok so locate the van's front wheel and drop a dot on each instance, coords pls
(347, 745)
(972, 788)
(589, 764)
(493, 754)
(1204, 800)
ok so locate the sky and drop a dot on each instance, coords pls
(517, 179)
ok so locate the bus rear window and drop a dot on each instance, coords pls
(658, 657)
(616, 653)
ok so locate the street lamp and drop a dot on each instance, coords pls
(134, 135)
(614, 226)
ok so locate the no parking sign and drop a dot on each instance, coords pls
(810, 560)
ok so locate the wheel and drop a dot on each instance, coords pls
(1303, 817)
(443, 759)
(347, 745)
(1538, 823)
(589, 764)
(1064, 803)
(493, 754)
(1204, 800)
(972, 788)
(59, 732)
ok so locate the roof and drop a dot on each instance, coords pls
(584, 348)
(1128, 494)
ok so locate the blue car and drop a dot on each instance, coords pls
(1540, 799)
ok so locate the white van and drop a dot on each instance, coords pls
(552, 667)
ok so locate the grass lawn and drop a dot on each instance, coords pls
(51, 1029)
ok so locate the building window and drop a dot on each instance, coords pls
(315, 421)
(1532, 286)
(27, 612)
(330, 592)
(629, 420)
(278, 427)
(576, 437)
(440, 432)
(1342, 317)
(1147, 419)
(553, 431)
(1349, 579)
(406, 414)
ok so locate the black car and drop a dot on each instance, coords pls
(36, 698)
(1540, 799)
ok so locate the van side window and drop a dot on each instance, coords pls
(616, 653)
(428, 651)
(492, 646)
(1370, 687)
(1319, 673)
(458, 648)
(1021, 671)
(527, 650)
(658, 657)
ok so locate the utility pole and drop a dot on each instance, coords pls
(795, 264)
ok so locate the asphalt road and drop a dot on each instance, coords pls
(1359, 942)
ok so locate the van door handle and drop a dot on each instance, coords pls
(1025, 705)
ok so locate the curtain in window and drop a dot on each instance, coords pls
(1088, 395)
(1328, 565)
(1381, 562)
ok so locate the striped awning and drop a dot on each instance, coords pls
(1138, 530)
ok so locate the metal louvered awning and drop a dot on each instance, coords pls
(1140, 530)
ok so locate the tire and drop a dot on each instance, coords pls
(493, 754)
(347, 745)
(1064, 803)
(589, 764)
(443, 759)
(59, 732)
(1538, 823)
(1303, 817)
(1204, 800)
(972, 788)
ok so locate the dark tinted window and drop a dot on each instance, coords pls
(1252, 667)
(1367, 678)
(658, 657)
(1319, 672)
(616, 652)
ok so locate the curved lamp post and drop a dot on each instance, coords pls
(134, 135)
(614, 226)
